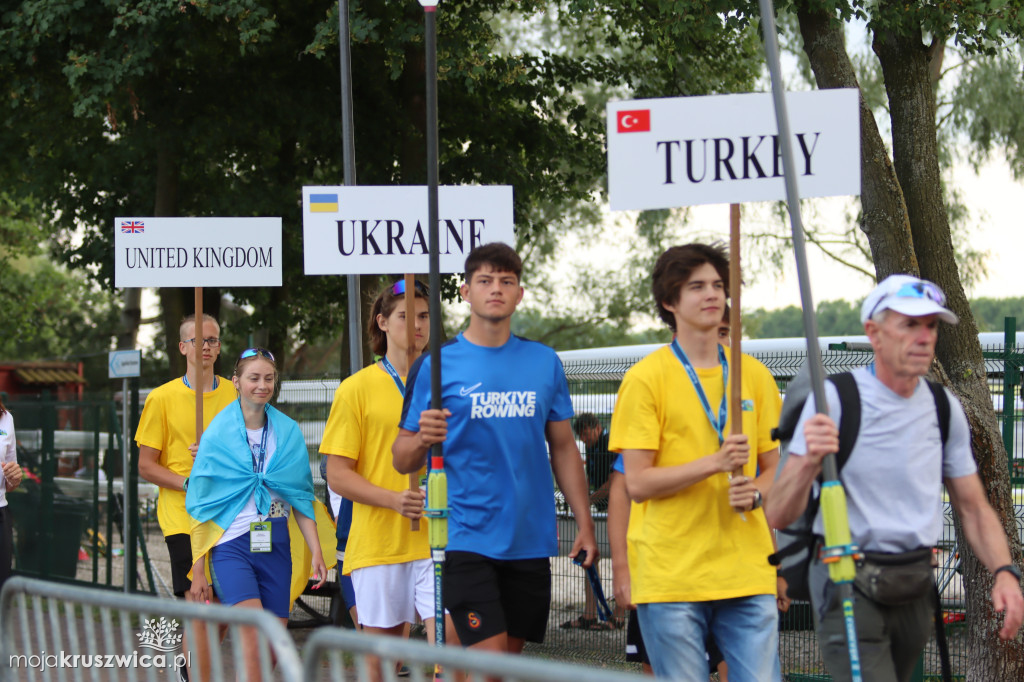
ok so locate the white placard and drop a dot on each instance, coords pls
(367, 230)
(124, 364)
(197, 252)
(684, 151)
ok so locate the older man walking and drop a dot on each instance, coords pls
(893, 478)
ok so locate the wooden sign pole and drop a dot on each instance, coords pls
(735, 330)
(410, 337)
(197, 348)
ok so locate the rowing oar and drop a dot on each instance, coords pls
(437, 482)
(839, 551)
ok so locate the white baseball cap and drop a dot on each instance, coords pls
(908, 295)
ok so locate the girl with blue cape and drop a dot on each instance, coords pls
(254, 514)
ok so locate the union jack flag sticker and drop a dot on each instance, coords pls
(132, 226)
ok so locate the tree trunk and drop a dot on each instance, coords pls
(905, 66)
(175, 304)
(131, 316)
(883, 214)
(277, 329)
(368, 286)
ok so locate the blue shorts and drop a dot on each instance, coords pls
(348, 591)
(240, 574)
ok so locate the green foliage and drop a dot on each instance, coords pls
(571, 333)
(49, 313)
(834, 318)
(991, 313)
(227, 108)
(988, 98)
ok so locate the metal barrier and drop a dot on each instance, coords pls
(54, 631)
(420, 657)
(75, 497)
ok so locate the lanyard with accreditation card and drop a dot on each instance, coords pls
(259, 531)
(717, 424)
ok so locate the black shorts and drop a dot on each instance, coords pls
(636, 652)
(489, 596)
(179, 548)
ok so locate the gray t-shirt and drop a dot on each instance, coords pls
(893, 478)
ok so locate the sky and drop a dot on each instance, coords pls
(995, 200)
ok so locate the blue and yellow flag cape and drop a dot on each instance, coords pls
(223, 480)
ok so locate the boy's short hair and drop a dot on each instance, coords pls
(586, 420)
(500, 256)
(674, 268)
(190, 319)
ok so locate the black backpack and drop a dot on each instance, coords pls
(796, 542)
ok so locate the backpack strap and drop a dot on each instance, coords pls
(849, 418)
(941, 407)
(849, 425)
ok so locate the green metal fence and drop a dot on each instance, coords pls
(593, 385)
(68, 513)
(59, 439)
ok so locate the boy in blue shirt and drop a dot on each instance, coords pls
(505, 402)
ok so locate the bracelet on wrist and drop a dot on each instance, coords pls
(1008, 568)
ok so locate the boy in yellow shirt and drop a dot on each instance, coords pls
(698, 565)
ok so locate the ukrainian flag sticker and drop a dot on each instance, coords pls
(323, 203)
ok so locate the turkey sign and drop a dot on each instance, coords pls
(683, 151)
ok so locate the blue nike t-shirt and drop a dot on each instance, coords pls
(500, 491)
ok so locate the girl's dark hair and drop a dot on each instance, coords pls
(385, 304)
(674, 268)
(3, 410)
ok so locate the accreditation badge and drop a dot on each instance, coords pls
(259, 536)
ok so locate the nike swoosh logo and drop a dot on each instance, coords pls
(466, 391)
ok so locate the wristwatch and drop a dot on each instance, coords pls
(758, 500)
(1008, 568)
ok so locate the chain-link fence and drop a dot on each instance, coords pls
(46, 431)
(594, 384)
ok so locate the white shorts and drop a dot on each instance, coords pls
(393, 594)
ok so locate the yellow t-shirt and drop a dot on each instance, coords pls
(692, 546)
(168, 424)
(362, 426)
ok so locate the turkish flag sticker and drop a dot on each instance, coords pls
(635, 121)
